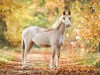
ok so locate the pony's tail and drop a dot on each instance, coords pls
(23, 47)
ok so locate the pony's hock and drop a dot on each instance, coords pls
(53, 38)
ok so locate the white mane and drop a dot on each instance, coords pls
(57, 23)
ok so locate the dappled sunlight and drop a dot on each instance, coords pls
(80, 51)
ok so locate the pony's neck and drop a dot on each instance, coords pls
(57, 23)
(61, 28)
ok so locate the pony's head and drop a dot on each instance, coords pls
(66, 19)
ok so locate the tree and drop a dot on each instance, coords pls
(85, 17)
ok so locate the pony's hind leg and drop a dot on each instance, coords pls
(28, 46)
(31, 43)
(25, 55)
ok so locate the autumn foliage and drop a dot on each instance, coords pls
(82, 39)
(20, 14)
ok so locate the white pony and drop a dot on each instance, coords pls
(53, 37)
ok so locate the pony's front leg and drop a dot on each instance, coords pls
(58, 57)
(52, 58)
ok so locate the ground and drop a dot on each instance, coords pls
(38, 61)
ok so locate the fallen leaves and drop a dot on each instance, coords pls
(41, 66)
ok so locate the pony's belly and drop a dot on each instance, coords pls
(44, 45)
(44, 42)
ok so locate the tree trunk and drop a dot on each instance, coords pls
(3, 28)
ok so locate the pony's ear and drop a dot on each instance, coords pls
(66, 12)
(69, 12)
(63, 12)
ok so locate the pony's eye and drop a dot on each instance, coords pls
(69, 18)
(64, 18)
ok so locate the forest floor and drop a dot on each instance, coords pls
(38, 61)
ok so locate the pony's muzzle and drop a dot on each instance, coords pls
(68, 25)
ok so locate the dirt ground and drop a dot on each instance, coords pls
(38, 61)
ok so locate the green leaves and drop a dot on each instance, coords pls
(42, 3)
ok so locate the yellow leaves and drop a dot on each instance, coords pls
(13, 35)
(53, 4)
(39, 9)
(89, 21)
(49, 5)
(7, 7)
(15, 20)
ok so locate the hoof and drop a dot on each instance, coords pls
(51, 66)
(58, 66)
(24, 66)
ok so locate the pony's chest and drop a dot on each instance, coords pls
(61, 39)
(57, 39)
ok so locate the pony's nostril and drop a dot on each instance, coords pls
(69, 24)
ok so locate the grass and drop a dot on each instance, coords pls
(6, 53)
(90, 60)
(5, 56)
